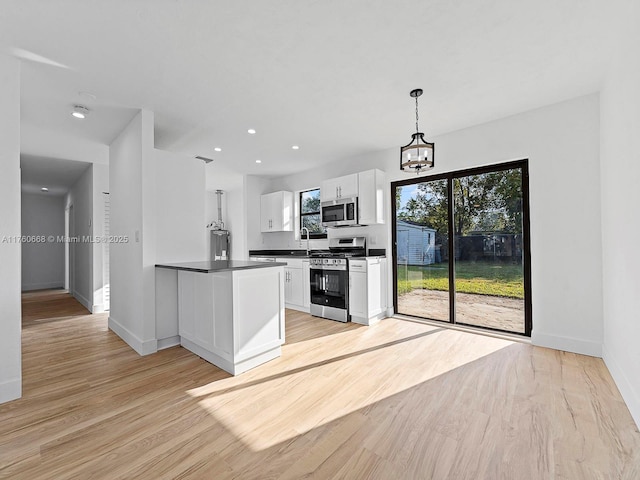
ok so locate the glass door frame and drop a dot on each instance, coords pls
(523, 165)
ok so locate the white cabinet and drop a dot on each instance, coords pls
(296, 283)
(276, 212)
(368, 186)
(371, 185)
(340, 187)
(306, 285)
(367, 290)
(293, 286)
(233, 319)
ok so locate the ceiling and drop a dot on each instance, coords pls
(53, 173)
(330, 76)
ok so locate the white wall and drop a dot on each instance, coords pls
(180, 199)
(180, 232)
(10, 318)
(561, 142)
(81, 198)
(131, 179)
(620, 171)
(99, 186)
(42, 262)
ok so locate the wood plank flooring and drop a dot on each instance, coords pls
(399, 400)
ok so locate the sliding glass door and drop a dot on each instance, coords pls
(422, 245)
(481, 278)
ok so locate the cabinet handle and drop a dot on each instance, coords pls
(340, 189)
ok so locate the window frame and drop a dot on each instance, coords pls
(312, 235)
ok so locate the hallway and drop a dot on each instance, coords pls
(49, 305)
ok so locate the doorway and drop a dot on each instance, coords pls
(461, 247)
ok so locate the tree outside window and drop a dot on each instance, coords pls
(310, 213)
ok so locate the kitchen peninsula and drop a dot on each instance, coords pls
(231, 312)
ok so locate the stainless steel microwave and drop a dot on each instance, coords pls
(339, 213)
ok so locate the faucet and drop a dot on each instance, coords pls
(302, 230)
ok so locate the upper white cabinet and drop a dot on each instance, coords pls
(371, 197)
(276, 212)
(368, 186)
(340, 187)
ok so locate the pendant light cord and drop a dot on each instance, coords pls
(417, 130)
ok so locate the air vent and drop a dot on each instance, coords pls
(205, 159)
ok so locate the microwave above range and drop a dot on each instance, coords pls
(339, 213)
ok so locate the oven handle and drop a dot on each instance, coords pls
(329, 267)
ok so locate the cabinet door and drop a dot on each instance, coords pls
(374, 287)
(276, 212)
(329, 190)
(282, 212)
(266, 212)
(295, 286)
(371, 197)
(348, 186)
(358, 294)
(306, 284)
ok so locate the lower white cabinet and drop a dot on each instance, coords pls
(306, 285)
(367, 289)
(296, 283)
(297, 288)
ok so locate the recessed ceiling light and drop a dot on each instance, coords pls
(251, 131)
(258, 161)
(218, 149)
(80, 111)
(44, 189)
(295, 147)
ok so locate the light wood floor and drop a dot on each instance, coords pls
(400, 400)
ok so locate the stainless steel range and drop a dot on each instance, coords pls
(330, 278)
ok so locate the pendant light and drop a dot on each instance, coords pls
(419, 154)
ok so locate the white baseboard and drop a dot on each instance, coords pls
(99, 308)
(228, 366)
(168, 342)
(142, 347)
(10, 390)
(87, 304)
(42, 286)
(298, 308)
(630, 394)
(567, 344)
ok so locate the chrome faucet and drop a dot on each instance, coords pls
(301, 232)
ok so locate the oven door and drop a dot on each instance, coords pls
(329, 293)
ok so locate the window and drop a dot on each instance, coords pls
(310, 213)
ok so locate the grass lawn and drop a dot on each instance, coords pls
(482, 278)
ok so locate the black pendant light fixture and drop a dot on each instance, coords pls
(419, 154)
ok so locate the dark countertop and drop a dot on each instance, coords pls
(219, 265)
(280, 253)
(373, 252)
